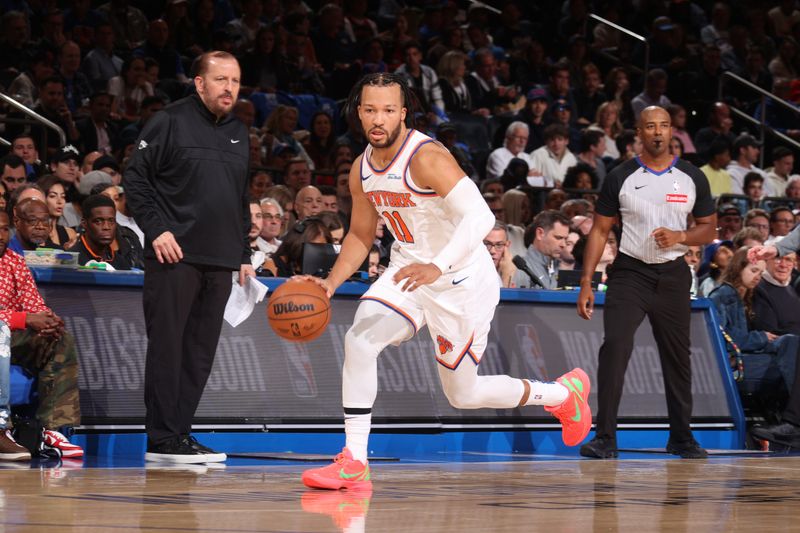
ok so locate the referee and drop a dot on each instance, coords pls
(653, 194)
(186, 184)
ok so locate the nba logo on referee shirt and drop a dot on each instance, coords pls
(677, 198)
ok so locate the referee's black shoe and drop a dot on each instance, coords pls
(600, 448)
(786, 433)
(689, 449)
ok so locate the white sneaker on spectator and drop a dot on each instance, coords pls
(54, 439)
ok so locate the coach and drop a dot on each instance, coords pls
(186, 185)
(653, 194)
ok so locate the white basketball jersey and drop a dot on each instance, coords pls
(418, 218)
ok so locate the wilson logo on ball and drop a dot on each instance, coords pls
(291, 307)
(299, 310)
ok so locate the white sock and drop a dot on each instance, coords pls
(549, 394)
(356, 429)
(357, 524)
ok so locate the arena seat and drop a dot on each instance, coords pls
(23, 386)
(306, 104)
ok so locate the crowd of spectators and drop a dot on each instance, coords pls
(536, 101)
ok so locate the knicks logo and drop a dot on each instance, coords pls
(444, 345)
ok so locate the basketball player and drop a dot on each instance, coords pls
(440, 274)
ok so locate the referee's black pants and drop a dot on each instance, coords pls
(660, 291)
(183, 309)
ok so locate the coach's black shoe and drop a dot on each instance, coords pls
(176, 450)
(211, 455)
(689, 449)
(786, 433)
(600, 448)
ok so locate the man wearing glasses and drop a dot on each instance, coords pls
(776, 305)
(498, 245)
(33, 336)
(759, 219)
(781, 222)
(272, 217)
(32, 222)
(13, 172)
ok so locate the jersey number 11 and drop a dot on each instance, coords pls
(399, 227)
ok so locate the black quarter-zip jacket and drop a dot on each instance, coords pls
(188, 175)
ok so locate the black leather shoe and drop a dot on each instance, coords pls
(194, 443)
(687, 450)
(786, 433)
(175, 450)
(600, 448)
(212, 455)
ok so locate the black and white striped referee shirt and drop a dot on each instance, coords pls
(646, 199)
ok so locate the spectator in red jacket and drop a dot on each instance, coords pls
(37, 341)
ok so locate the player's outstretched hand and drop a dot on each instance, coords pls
(417, 275)
(586, 301)
(761, 253)
(324, 283)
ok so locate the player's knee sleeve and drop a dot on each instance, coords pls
(461, 399)
(374, 328)
(462, 394)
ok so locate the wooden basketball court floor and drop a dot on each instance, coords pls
(471, 492)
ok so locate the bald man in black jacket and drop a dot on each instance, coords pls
(187, 188)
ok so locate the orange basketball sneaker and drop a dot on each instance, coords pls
(574, 413)
(346, 508)
(344, 473)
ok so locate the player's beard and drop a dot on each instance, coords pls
(389, 139)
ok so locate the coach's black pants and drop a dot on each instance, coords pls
(660, 291)
(183, 309)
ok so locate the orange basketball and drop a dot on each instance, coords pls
(299, 310)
